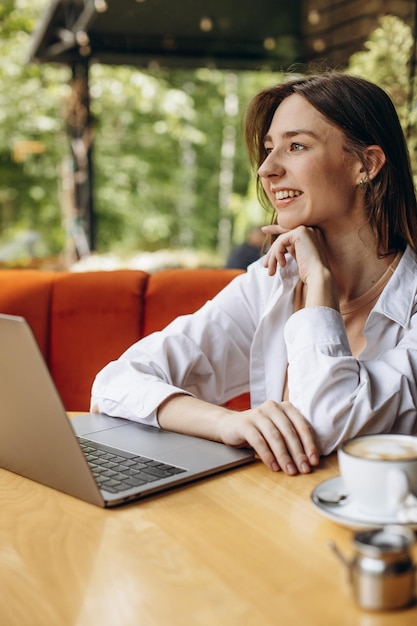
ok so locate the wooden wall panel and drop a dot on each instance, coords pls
(332, 31)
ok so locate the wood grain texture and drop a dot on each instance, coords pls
(244, 548)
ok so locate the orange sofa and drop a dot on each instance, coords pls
(84, 320)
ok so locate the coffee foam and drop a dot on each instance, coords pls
(382, 448)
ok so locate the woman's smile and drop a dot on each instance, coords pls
(285, 194)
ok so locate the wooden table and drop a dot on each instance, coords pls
(244, 548)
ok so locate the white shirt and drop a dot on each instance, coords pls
(248, 335)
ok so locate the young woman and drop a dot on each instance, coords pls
(323, 329)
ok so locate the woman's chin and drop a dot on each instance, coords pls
(288, 223)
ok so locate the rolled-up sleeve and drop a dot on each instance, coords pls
(343, 396)
(205, 354)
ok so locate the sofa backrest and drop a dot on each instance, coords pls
(180, 291)
(28, 293)
(84, 320)
(95, 317)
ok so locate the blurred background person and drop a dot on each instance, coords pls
(247, 252)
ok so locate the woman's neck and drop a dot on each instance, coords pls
(355, 264)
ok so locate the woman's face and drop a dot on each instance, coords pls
(308, 176)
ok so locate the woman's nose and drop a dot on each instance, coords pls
(270, 167)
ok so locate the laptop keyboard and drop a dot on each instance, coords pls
(119, 471)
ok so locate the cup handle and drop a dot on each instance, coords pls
(397, 488)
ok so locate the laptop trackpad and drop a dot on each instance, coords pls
(128, 435)
(155, 443)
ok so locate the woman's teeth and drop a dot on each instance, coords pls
(287, 193)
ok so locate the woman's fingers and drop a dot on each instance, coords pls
(303, 442)
(281, 437)
(270, 446)
(304, 244)
(275, 256)
(273, 229)
(288, 445)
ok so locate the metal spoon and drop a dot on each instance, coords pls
(332, 497)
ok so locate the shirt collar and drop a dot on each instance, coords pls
(397, 299)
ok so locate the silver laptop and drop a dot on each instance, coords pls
(104, 460)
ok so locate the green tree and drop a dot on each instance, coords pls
(386, 61)
(32, 139)
(160, 140)
(165, 131)
(170, 166)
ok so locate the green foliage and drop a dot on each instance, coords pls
(30, 110)
(386, 61)
(157, 147)
(160, 152)
(164, 131)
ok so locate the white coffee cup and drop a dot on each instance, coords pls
(379, 472)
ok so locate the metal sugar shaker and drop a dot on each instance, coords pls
(382, 572)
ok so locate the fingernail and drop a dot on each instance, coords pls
(291, 469)
(314, 458)
(305, 468)
(274, 466)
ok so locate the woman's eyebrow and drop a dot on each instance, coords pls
(289, 134)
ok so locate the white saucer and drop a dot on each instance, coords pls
(346, 513)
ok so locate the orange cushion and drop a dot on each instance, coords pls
(179, 291)
(96, 316)
(28, 293)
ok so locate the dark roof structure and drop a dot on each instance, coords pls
(227, 34)
(232, 34)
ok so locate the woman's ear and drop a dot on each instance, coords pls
(375, 159)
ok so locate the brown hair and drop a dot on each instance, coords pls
(367, 116)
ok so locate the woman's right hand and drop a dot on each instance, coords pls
(308, 248)
(279, 434)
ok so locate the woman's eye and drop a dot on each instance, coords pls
(297, 147)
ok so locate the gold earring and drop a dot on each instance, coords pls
(361, 184)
